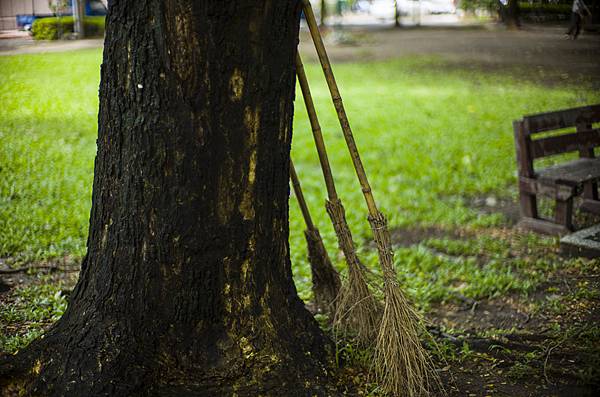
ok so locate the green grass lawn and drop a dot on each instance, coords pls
(432, 139)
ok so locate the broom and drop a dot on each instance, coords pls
(325, 279)
(402, 365)
(357, 309)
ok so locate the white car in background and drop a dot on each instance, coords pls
(441, 7)
(384, 9)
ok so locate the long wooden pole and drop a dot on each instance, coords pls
(334, 205)
(300, 197)
(339, 107)
(402, 365)
(326, 280)
(316, 129)
(357, 309)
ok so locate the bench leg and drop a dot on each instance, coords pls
(590, 198)
(531, 221)
(590, 191)
(528, 205)
(563, 214)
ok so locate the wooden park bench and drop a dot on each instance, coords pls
(553, 133)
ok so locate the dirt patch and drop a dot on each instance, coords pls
(479, 377)
(525, 345)
(494, 205)
(510, 211)
(544, 343)
(475, 316)
(28, 313)
(407, 237)
(4, 287)
(21, 275)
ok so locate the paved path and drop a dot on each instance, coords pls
(25, 45)
(491, 47)
(542, 50)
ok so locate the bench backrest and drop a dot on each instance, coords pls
(584, 139)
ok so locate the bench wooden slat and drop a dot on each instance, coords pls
(553, 191)
(573, 173)
(561, 182)
(542, 226)
(562, 119)
(565, 143)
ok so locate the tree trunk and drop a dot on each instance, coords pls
(510, 14)
(78, 17)
(323, 13)
(186, 288)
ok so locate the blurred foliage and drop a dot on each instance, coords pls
(54, 28)
(534, 6)
(473, 5)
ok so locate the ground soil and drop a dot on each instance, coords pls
(512, 346)
(489, 368)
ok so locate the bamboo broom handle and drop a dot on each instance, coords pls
(316, 130)
(300, 197)
(339, 107)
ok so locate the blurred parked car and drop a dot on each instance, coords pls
(361, 6)
(441, 7)
(384, 9)
(92, 8)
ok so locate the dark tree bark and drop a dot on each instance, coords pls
(510, 14)
(323, 12)
(187, 288)
(396, 14)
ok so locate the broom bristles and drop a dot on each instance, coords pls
(325, 279)
(402, 365)
(357, 310)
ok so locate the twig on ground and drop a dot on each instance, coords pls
(546, 361)
(566, 283)
(472, 310)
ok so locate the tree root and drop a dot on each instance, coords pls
(99, 365)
